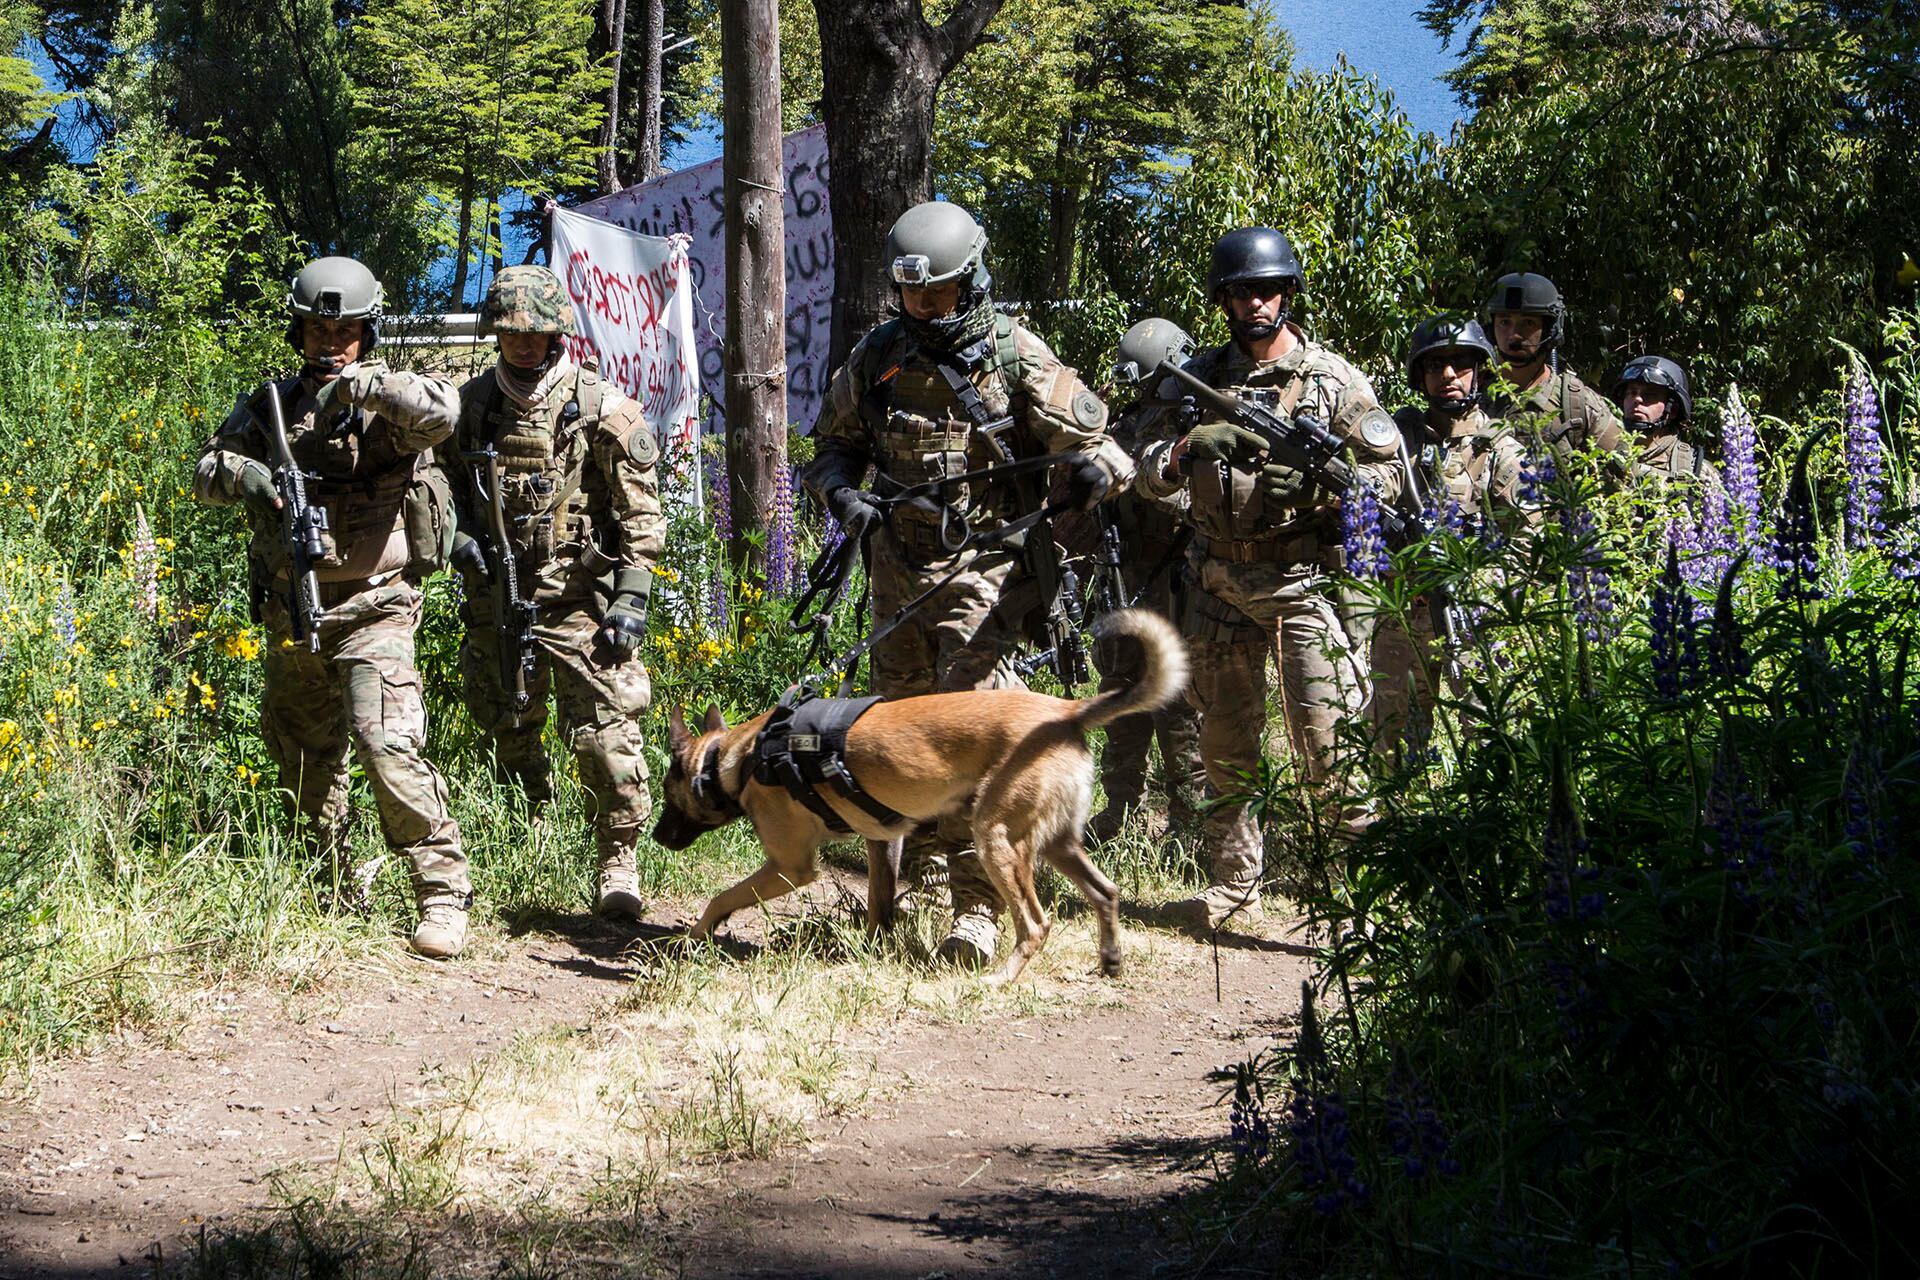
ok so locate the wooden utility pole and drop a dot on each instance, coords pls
(756, 354)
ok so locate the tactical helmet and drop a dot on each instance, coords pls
(1528, 293)
(1658, 371)
(1252, 253)
(935, 242)
(336, 288)
(526, 299)
(1144, 346)
(1445, 332)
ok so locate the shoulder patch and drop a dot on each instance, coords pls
(1378, 430)
(1088, 411)
(641, 446)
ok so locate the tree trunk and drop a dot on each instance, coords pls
(756, 351)
(653, 35)
(881, 63)
(610, 41)
(462, 241)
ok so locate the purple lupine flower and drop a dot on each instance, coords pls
(1415, 1132)
(1572, 885)
(1741, 447)
(1708, 538)
(146, 566)
(780, 548)
(1536, 474)
(64, 621)
(1317, 1131)
(1588, 582)
(717, 600)
(1734, 829)
(1794, 553)
(1866, 463)
(1672, 622)
(720, 485)
(1248, 1126)
(1727, 647)
(1366, 542)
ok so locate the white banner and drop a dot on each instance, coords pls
(633, 305)
(693, 203)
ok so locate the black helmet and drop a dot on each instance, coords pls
(1528, 293)
(1658, 371)
(1446, 332)
(1252, 253)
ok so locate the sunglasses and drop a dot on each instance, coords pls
(1246, 290)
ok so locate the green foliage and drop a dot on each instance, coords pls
(1623, 985)
(469, 100)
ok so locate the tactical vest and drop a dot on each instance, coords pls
(1231, 507)
(543, 465)
(918, 427)
(368, 489)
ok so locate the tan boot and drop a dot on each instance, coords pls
(618, 894)
(971, 941)
(442, 931)
(1219, 906)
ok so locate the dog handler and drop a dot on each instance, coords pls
(916, 400)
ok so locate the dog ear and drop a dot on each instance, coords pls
(677, 735)
(715, 721)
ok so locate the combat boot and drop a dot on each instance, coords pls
(618, 893)
(1107, 823)
(1219, 906)
(442, 931)
(971, 941)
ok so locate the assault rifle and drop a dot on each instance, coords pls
(512, 616)
(1066, 651)
(301, 527)
(1306, 444)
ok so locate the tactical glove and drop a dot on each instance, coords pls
(470, 559)
(854, 509)
(1087, 483)
(625, 627)
(1224, 442)
(257, 491)
(1280, 484)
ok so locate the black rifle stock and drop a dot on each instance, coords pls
(301, 527)
(512, 616)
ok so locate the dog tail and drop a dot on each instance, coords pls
(1163, 674)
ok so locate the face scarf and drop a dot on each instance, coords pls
(951, 332)
(529, 388)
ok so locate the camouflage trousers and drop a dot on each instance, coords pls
(956, 640)
(600, 704)
(360, 694)
(1123, 763)
(1406, 676)
(1322, 683)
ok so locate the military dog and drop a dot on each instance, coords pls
(1018, 759)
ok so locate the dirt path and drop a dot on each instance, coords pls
(1019, 1145)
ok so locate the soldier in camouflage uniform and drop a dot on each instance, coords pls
(1549, 406)
(364, 434)
(1268, 542)
(581, 507)
(1471, 464)
(1148, 537)
(1656, 399)
(914, 402)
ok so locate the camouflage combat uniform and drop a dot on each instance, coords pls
(890, 407)
(582, 507)
(370, 467)
(1148, 534)
(1272, 562)
(1664, 456)
(1476, 463)
(1567, 415)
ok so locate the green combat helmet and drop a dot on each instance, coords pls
(526, 299)
(1143, 347)
(935, 242)
(336, 288)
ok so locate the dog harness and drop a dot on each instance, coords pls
(803, 748)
